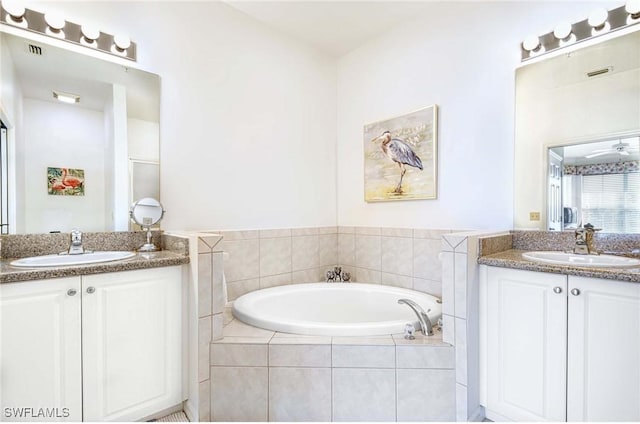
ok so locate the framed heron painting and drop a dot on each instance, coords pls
(400, 157)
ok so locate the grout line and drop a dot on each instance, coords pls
(395, 371)
(331, 382)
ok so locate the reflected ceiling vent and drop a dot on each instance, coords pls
(599, 71)
(35, 50)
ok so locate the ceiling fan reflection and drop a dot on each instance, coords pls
(619, 148)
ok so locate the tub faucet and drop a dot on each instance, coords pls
(423, 318)
(337, 275)
(75, 246)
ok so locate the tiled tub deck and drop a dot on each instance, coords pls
(260, 375)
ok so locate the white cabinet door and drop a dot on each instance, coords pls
(604, 350)
(525, 350)
(40, 364)
(131, 340)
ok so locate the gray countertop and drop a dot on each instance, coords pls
(10, 274)
(513, 259)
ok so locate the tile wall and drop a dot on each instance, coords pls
(259, 259)
(408, 258)
(460, 296)
(205, 322)
(211, 305)
(401, 257)
(259, 375)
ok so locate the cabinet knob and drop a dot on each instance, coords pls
(575, 292)
(91, 290)
(557, 290)
(72, 292)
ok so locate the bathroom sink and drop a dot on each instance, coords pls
(64, 260)
(592, 261)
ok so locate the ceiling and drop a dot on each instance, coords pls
(575, 154)
(334, 27)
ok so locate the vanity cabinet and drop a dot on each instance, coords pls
(558, 348)
(603, 350)
(40, 350)
(105, 347)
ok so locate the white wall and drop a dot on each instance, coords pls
(120, 164)
(247, 115)
(249, 122)
(62, 136)
(462, 56)
(143, 138)
(109, 157)
(9, 93)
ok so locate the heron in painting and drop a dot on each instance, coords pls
(399, 152)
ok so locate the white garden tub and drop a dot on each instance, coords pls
(334, 309)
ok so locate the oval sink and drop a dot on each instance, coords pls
(65, 260)
(592, 261)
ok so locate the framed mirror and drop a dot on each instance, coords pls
(578, 104)
(110, 127)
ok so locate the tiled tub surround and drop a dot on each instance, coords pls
(205, 305)
(265, 258)
(460, 300)
(252, 265)
(19, 246)
(401, 257)
(260, 375)
(506, 251)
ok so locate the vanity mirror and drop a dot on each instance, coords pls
(574, 111)
(146, 213)
(597, 183)
(108, 135)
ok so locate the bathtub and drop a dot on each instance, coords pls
(333, 309)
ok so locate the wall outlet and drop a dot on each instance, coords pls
(534, 216)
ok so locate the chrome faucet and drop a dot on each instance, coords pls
(585, 244)
(337, 275)
(423, 318)
(75, 245)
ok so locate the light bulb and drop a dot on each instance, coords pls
(90, 32)
(122, 42)
(55, 21)
(15, 9)
(531, 43)
(562, 31)
(598, 19)
(633, 9)
(16, 13)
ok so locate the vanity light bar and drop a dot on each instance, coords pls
(82, 35)
(599, 23)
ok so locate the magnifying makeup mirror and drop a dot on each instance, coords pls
(146, 213)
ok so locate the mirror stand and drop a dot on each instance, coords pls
(146, 213)
(148, 246)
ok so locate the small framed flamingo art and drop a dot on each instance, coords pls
(401, 157)
(65, 181)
